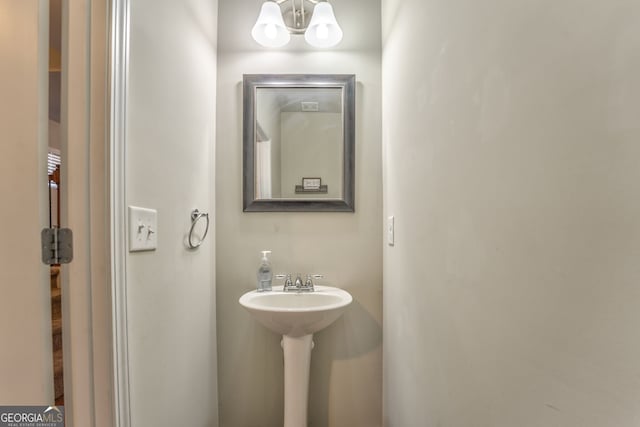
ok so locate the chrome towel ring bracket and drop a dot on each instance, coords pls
(196, 215)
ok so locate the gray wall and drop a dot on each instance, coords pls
(511, 165)
(170, 167)
(346, 381)
(312, 148)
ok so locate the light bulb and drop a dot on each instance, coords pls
(323, 29)
(322, 32)
(270, 31)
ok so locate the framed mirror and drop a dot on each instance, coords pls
(298, 142)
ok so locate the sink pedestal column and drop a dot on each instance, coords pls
(297, 360)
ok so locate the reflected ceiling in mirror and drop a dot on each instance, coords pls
(299, 142)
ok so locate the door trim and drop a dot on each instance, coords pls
(119, 66)
(87, 305)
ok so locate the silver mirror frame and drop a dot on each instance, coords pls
(251, 82)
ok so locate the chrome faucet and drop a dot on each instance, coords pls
(298, 285)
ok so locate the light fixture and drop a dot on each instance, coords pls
(280, 18)
(270, 30)
(323, 30)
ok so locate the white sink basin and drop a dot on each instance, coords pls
(297, 313)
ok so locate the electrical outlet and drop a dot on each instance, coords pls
(309, 106)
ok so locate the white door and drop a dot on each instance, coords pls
(26, 370)
(26, 367)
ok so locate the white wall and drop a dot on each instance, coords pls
(26, 367)
(346, 362)
(511, 144)
(170, 167)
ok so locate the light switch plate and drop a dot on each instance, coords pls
(390, 231)
(143, 229)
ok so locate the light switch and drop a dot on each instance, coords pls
(143, 229)
(390, 231)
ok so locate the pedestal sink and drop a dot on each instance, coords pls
(296, 316)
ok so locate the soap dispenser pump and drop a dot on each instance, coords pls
(264, 273)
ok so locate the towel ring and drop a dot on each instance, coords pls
(195, 217)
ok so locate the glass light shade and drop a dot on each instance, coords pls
(269, 29)
(323, 30)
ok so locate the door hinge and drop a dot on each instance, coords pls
(57, 245)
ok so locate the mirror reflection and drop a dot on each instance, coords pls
(299, 145)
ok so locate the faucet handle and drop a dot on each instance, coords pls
(309, 281)
(287, 279)
(314, 277)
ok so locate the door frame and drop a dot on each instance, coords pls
(87, 294)
(119, 68)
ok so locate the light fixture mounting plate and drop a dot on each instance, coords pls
(297, 14)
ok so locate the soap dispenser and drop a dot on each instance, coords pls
(264, 273)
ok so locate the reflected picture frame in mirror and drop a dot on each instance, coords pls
(308, 187)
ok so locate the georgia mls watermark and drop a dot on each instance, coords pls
(31, 416)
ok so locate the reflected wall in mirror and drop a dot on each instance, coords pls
(299, 143)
